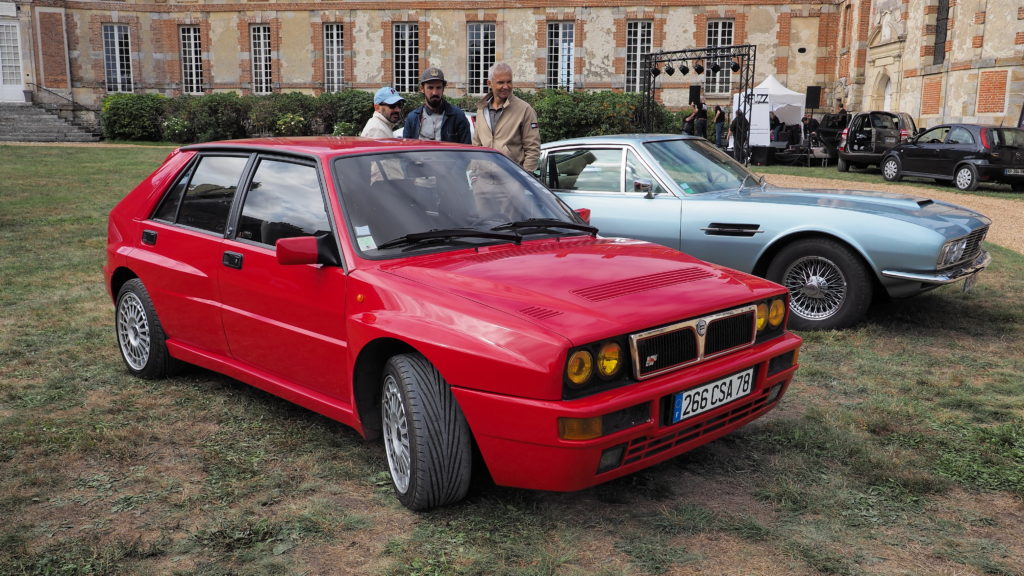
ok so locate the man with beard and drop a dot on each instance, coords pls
(436, 119)
(387, 110)
(505, 122)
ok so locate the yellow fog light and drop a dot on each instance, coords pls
(777, 313)
(762, 316)
(579, 368)
(609, 359)
(579, 428)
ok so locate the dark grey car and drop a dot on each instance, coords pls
(869, 135)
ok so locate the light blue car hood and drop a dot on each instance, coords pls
(913, 209)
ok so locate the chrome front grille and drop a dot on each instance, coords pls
(672, 347)
(974, 240)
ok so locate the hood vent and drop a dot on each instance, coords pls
(619, 288)
(539, 312)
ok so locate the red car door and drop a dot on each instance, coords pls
(287, 322)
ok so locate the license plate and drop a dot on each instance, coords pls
(709, 396)
(1014, 172)
(969, 282)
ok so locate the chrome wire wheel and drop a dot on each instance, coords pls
(133, 331)
(396, 434)
(817, 287)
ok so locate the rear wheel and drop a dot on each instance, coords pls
(843, 165)
(829, 286)
(891, 169)
(140, 336)
(1017, 187)
(426, 436)
(966, 177)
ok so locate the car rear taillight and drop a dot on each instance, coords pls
(904, 134)
(984, 140)
(842, 139)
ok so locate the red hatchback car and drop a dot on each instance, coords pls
(440, 297)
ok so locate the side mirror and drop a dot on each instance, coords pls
(307, 250)
(584, 213)
(644, 185)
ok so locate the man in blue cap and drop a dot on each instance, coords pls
(387, 111)
(436, 119)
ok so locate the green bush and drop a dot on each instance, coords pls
(219, 116)
(132, 116)
(352, 107)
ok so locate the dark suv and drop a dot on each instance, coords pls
(869, 135)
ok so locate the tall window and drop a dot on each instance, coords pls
(262, 79)
(638, 43)
(191, 60)
(334, 57)
(480, 56)
(117, 58)
(941, 32)
(406, 56)
(720, 33)
(561, 49)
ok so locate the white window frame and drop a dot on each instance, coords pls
(721, 32)
(480, 54)
(406, 56)
(639, 41)
(261, 57)
(334, 57)
(190, 41)
(561, 55)
(117, 58)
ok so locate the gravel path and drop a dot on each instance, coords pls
(1006, 214)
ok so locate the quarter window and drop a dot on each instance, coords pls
(480, 55)
(406, 50)
(960, 135)
(638, 43)
(561, 49)
(117, 58)
(283, 201)
(262, 77)
(191, 60)
(334, 57)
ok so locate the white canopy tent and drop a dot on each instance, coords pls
(771, 96)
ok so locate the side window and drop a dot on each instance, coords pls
(960, 135)
(935, 135)
(208, 193)
(636, 173)
(284, 200)
(595, 170)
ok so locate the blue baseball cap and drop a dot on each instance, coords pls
(387, 95)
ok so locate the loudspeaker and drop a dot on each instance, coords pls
(694, 94)
(813, 97)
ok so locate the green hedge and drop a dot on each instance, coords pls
(224, 116)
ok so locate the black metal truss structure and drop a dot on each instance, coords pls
(739, 59)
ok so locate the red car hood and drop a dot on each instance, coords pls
(586, 288)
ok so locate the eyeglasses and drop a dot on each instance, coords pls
(393, 106)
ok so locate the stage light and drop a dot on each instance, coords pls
(684, 69)
(735, 67)
(698, 68)
(715, 68)
(655, 71)
(669, 69)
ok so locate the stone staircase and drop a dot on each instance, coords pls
(23, 122)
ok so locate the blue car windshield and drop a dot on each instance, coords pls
(699, 166)
(442, 199)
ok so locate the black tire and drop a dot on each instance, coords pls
(829, 286)
(966, 177)
(140, 336)
(842, 165)
(1017, 187)
(892, 170)
(425, 434)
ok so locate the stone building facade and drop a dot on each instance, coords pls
(936, 59)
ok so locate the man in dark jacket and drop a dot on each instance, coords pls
(436, 119)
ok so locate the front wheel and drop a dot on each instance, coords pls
(891, 169)
(425, 434)
(828, 284)
(140, 336)
(966, 177)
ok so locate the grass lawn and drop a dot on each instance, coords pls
(899, 449)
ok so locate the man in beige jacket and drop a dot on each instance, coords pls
(507, 123)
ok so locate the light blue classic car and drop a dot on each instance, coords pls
(835, 250)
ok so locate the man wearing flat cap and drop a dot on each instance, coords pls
(387, 111)
(436, 119)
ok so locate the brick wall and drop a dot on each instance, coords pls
(992, 85)
(931, 96)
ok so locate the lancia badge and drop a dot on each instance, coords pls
(702, 327)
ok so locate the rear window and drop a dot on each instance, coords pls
(1010, 137)
(884, 121)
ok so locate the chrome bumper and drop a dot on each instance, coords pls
(980, 263)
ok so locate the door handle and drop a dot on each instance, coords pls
(232, 260)
(149, 237)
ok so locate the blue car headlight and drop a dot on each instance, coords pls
(952, 252)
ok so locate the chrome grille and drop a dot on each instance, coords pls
(671, 347)
(973, 247)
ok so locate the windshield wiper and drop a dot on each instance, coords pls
(542, 224)
(446, 235)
